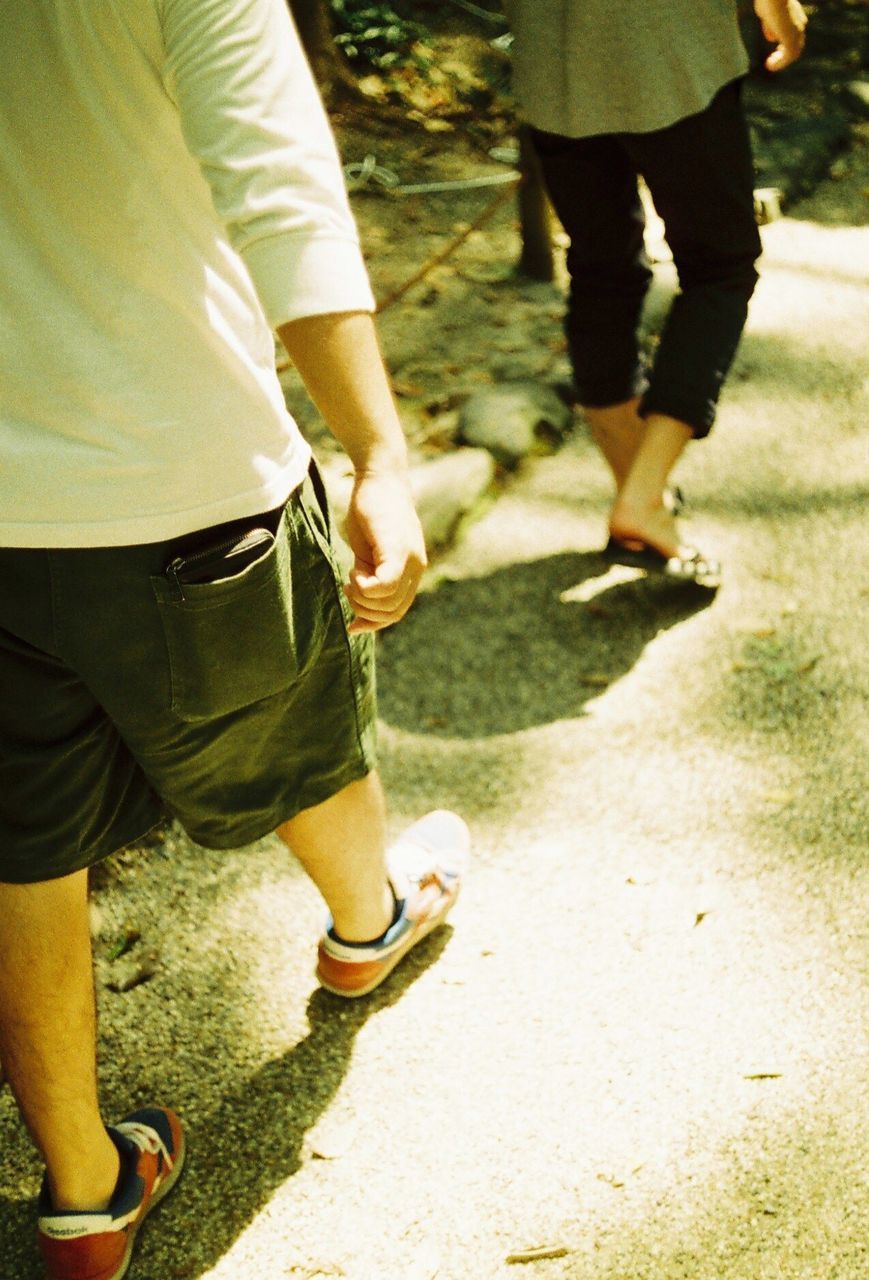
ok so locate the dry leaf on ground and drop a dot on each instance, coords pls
(536, 1253)
(332, 1143)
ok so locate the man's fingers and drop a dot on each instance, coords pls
(375, 610)
(388, 578)
(785, 54)
(787, 31)
(385, 610)
(373, 620)
(364, 604)
(389, 588)
(373, 587)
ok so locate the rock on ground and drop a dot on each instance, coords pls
(514, 420)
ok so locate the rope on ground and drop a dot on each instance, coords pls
(458, 184)
(488, 15)
(361, 173)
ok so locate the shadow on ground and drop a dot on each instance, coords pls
(263, 1121)
(527, 645)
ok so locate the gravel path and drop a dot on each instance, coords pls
(640, 1041)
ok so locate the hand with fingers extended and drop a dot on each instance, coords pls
(387, 542)
(784, 25)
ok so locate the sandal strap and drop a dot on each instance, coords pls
(691, 563)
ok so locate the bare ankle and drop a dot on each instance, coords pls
(632, 509)
(618, 431)
(654, 526)
(363, 921)
(89, 1186)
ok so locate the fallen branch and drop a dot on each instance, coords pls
(489, 212)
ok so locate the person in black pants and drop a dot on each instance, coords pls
(698, 170)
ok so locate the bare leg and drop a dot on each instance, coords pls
(342, 846)
(640, 514)
(641, 464)
(48, 1036)
(618, 432)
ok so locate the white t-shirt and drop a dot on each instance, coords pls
(169, 193)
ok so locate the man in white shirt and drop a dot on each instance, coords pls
(175, 636)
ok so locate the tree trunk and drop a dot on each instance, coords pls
(329, 66)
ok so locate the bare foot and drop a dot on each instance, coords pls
(640, 512)
(650, 527)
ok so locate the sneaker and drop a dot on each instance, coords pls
(98, 1246)
(425, 869)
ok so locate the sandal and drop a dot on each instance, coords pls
(674, 500)
(690, 565)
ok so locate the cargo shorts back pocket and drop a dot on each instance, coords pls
(229, 624)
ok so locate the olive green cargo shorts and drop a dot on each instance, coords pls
(210, 679)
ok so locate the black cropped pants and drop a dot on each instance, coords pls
(699, 172)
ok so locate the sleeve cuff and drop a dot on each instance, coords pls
(298, 275)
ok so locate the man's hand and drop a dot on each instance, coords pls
(340, 362)
(387, 542)
(784, 25)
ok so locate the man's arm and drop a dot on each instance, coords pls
(339, 360)
(253, 119)
(784, 25)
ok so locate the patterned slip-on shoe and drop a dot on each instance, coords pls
(425, 867)
(99, 1246)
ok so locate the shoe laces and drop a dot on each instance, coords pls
(146, 1139)
(433, 850)
(417, 865)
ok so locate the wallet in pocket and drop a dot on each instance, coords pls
(226, 559)
(227, 615)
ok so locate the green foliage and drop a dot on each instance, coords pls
(373, 34)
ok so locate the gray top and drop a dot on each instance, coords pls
(583, 67)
